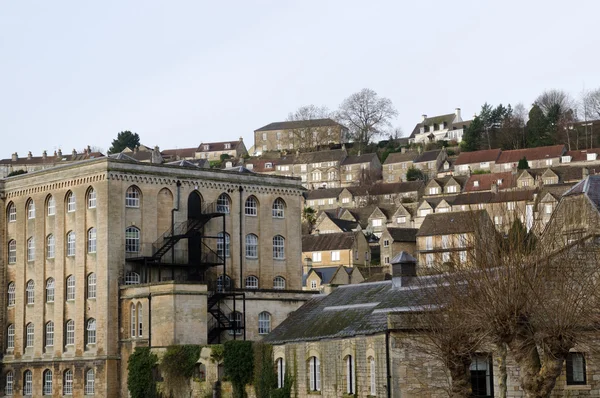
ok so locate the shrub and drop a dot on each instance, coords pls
(180, 361)
(265, 379)
(238, 362)
(414, 174)
(16, 173)
(140, 380)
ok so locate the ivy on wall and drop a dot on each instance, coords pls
(239, 363)
(140, 381)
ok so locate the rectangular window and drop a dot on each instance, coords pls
(451, 189)
(345, 200)
(335, 256)
(463, 256)
(498, 220)
(548, 209)
(316, 257)
(401, 220)
(445, 241)
(264, 136)
(386, 243)
(376, 222)
(510, 205)
(462, 240)
(484, 165)
(446, 257)
(424, 212)
(482, 382)
(348, 177)
(548, 162)
(576, 372)
(429, 259)
(433, 191)
(429, 242)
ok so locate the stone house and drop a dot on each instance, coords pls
(323, 198)
(488, 182)
(360, 170)
(430, 162)
(322, 278)
(171, 155)
(450, 127)
(450, 185)
(582, 157)
(393, 241)
(34, 163)
(468, 162)
(214, 150)
(349, 249)
(397, 164)
(328, 223)
(264, 166)
(381, 194)
(547, 201)
(403, 216)
(315, 169)
(537, 158)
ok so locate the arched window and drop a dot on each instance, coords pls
(70, 288)
(221, 287)
(278, 208)
(279, 283)
(27, 383)
(140, 320)
(264, 323)
(220, 244)
(30, 334)
(132, 240)
(133, 318)
(314, 374)
(12, 251)
(12, 212)
(91, 240)
(51, 206)
(31, 249)
(71, 204)
(349, 374)
(132, 278)
(70, 332)
(11, 294)
(223, 203)
(10, 337)
(280, 364)
(30, 290)
(251, 246)
(372, 377)
(49, 334)
(90, 378)
(70, 243)
(91, 286)
(50, 246)
(236, 320)
(9, 386)
(132, 197)
(91, 331)
(91, 199)
(30, 209)
(47, 389)
(68, 382)
(251, 282)
(278, 247)
(251, 207)
(50, 290)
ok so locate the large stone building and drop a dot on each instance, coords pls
(298, 135)
(104, 255)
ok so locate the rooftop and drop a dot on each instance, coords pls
(296, 124)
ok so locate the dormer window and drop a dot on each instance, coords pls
(228, 146)
(475, 183)
(268, 165)
(565, 159)
(591, 156)
(484, 165)
(433, 191)
(206, 147)
(499, 182)
(436, 127)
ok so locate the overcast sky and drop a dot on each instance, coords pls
(75, 73)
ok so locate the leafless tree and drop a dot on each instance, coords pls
(366, 115)
(591, 104)
(308, 135)
(550, 98)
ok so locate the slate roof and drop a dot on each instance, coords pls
(179, 152)
(489, 155)
(197, 163)
(451, 223)
(218, 146)
(427, 156)
(448, 119)
(362, 214)
(259, 165)
(321, 242)
(589, 187)
(51, 160)
(122, 156)
(555, 190)
(345, 225)
(296, 124)
(323, 193)
(399, 157)
(328, 273)
(403, 234)
(314, 157)
(386, 189)
(543, 152)
(358, 159)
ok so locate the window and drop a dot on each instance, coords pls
(445, 241)
(10, 337)
(316, 257)
(251, 282)
(462, 240)
(51, 206)
(71, 204)
(565, 159)
(31, 249)
(91, 199)
(268, 165)
(132, 240)
(349, 177)
(576, 369)
(548, 209)
(278, 208)
(429, 259)
(71, 243)
(313, 285)
(50, 246)
(10, 380)
(70, 288)
(223, 204)
(510, 205)
(424, 212)
(49, 334)
(12, 251)
(132, 278)
(345, 200)
(47, 389)
(279, 283)
(451, 189)
(463, 256)
(429, 242)
(251, 207)
(132, 313)
(223, 247)
(236, 320)
(12, 212)
(30, 334)
(401, 220)
(314, 374)
(227, 146)
(264, 323)
(498, 220)
(68, 382)
(28, 383)
(90, 378)
(280, 365)
(386, 243)
(31, 210)
(223, 287)
(548, 162)
(278, 247)
(445, 257)
(376, 222)
(30, 290)
(264, 136)
(11, 294)
(91, 331)
(433, 191)
(132, 197)
(70, 332)
(91, 286)
(251, 246)
(335, 256)
(482, 384)
(91, 247)
(140, 320)
(50, 290)
(349, 375)
(372, 379)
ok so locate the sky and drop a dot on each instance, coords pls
(179, 73)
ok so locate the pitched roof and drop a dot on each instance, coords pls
(321, 242)
(52, 160)
(322, 193)
(448, 119)
(400, 157)
(581, 156)
(386, 189)
(217, 146)
(315, 157)
(485, 181)
(403, 234)
(543, 152)
(589, 187)
(489, 155)
(345, 225)
(260, 165)
(427, 156)
(451, 223)
(328, 273)
(357, 159)
(362, 214)
(179, 153)
(297, 124)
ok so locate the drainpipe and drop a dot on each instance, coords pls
(150, 320)
(176, 208)
(387, 364)
(240, 189)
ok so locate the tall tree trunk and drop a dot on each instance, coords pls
(503, 376)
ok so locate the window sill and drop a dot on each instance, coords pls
(580, 387)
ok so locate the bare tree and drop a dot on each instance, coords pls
(550, 98)
(591, 102)
(309, 133)
(366, 115)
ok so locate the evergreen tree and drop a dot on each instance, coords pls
(472, 136)
(523, 164)
(537, 129)
(125, 139)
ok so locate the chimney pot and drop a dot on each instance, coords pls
(44, 154)
(423, 117)
(457, 113)
(60, 153)
(15, 157)
(74, 152)
(89, 149)
(404, 267)
(29, 155)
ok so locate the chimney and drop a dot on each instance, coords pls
(74, 152)
(89, 150)
(44, 155)
(494, 187)
(307, 265)
(404, 268)
(156, 157)
(15, 157)
(316, 232)
(29, 155)
(584, 173)
(457, 114)
(403, 149)
(241, 138)
(59, 153)
(423, 117)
